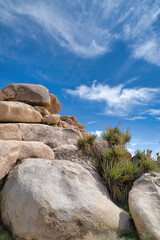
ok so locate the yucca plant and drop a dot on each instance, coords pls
(116, 137)
(85, 140)
(119, 177)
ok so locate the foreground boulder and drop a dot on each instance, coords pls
(8, 156)
(18, 112)
(144, 204)
(28, 93)
(57, 200)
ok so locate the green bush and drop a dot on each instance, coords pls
(114, 136)
(82, 142)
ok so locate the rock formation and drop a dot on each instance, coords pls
(57, 200)
(51, 192)
(144, 204)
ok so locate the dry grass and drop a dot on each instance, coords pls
(108, 236)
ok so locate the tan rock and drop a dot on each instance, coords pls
(29, 93)
(33, 149)
(57, 198)
(42, 110)
(10, 131)
(18, 112)
(72, 121)
(8, 156)
(47, 134)
(2, 96)
(144, 204)
(65, 124)
(52, 119)
(84, 133)
(55, 105)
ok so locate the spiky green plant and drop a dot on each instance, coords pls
(85, 140)
(114, 136)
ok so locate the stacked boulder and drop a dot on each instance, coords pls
(46, 193)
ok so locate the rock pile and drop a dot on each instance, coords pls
(47, 194)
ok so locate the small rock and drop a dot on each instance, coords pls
(52, 119)
(42, 110)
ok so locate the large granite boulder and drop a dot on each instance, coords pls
(54, 106)
(33, 149)
(8, 156)
(28, 93)
(47, 134)
(10, 131)
(18, 112)
(57, 200)
(144, 204)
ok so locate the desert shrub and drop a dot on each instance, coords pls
(82, 142)
(114, 136)
(119, 178)
(116, 153)
(145, 161)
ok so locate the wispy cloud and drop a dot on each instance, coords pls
(92, 122)
(154, 111)
(87, 28)
(136, 118)
(120, 101)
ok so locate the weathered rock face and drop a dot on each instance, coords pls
(57, 198)
(18, 112)
(10, 131)
(33, 150)
(28, 93)
(8, 156)
(71, 153)
(52, 119)
(54, 106)
(47, 134)
(144, 204)
(72, 121)
(42, 110)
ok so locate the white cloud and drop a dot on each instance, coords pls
(120, 101)
(154, 112)
(92, 122)
(88, 28)
(97, 133)
(136, 118)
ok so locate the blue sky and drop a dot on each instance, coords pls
(100, 58)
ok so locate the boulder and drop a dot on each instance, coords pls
(72, 121)
(73, 154)
(28, 93)
(99, 145)
(54, 106)
(84, 133)
(52, 119)
(18, 112)
(42, 110)
(8, 156)
(47, 134)
(33, 150)
(57, 200)
(2, 96)
(10, 131)
(144, 204)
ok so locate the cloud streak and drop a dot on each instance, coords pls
(119, 101)
(88, 28)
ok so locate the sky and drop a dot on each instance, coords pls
(101, 58)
